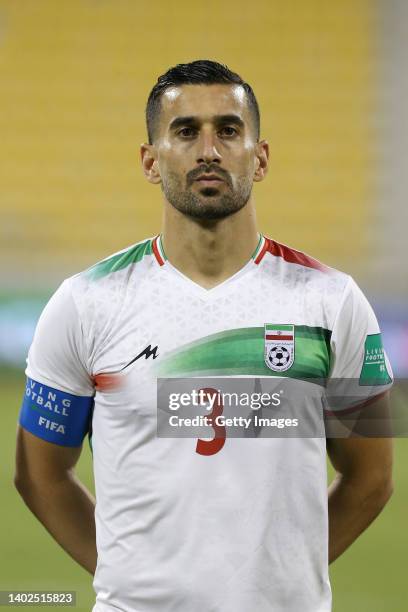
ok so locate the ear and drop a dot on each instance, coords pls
(150, 165)
(261, 160)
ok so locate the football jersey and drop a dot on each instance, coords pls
(209, 524)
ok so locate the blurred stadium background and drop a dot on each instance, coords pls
(332, 85)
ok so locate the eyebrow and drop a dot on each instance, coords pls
(192, 120)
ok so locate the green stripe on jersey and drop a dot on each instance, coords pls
(258, 247)
(241, 352)
(121, 260)
(271, 327)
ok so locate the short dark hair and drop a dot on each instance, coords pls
(199, 72)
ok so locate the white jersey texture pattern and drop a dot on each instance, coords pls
(241, 529)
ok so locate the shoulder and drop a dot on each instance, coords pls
(100, 290)
(289, 255)
(120, 260)
(115, 269)
(299, 265)
(305, 283)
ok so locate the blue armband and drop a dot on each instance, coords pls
(55, 416)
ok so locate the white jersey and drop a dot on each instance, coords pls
(187, 524)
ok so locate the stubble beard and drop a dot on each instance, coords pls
(210, 203)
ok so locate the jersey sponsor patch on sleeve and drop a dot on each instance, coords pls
(55, 416)
(374, 370)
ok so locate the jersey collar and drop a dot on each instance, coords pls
(161, 257)
(158, 250)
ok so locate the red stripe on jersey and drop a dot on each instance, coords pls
(290, 255)
(262, 252)
(156, 251)
(274, 337)
(108, 381)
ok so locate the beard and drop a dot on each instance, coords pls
(209, 203)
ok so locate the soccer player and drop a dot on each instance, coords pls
(201, 523)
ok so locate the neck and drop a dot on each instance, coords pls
(209, 252)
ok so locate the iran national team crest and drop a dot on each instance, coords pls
(279, 346)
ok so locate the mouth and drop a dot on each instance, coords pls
(209, 179)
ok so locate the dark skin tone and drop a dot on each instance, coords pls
(199, 232)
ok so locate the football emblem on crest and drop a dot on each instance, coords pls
(279, 346)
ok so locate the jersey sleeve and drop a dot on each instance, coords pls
(360, 369)
(59, 394)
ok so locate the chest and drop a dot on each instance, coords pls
(166, 329)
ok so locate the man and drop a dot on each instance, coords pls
(200, 523)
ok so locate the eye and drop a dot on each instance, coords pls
(186, 132)
(228, 130)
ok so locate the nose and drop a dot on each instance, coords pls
(207, 149)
